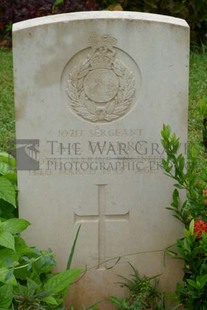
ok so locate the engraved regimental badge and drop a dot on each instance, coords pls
(101, 87)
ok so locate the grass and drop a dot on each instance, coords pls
(7, 122)
(198, 89)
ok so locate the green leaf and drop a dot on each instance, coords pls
(32, 286)
(172, 253)
(6, 296)
(12, 177)
(7, 191)
(7, 240)
(4, 168)
(203, 280)
(21, 247)
(176, 198)
(73, 249)
(15, 225)
(35, 276)
(179, 186)
(58, 2)
(50, 300)
(6, 254)
(61, 281)
(192, 283)
(8, 172)
(166, 131)
(166, 165)
(186, 233)
(45, 262)
(202, 106)
(191, 227)
(7, 211)
(7, 277)
(8, 159)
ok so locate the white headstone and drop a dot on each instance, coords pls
(93, 90)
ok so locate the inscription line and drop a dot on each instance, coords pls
(104, 158)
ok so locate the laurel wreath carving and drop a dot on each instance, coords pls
(87, 108)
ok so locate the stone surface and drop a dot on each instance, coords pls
(95, 89)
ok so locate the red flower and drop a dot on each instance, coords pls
(199, 227)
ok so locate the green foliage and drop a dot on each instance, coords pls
(44, 294)
(203, 111)
(6, 296)
(193, 251)
(56, 4)
(8, 179)
(26, 278)
(9, 229)
(197, 108)
(202, 106)
(60, 282)
(27, 272)
(143, 293)
(7, 117)
(184, 172)
(192, 248)
(7, 191)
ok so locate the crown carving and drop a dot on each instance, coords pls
(103, 52)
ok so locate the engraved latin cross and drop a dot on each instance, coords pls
(101, 218)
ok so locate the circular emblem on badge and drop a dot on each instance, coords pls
(100, 86)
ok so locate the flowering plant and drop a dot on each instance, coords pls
(199, 227)
(192, 248)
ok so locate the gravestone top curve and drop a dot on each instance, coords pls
(45, 20)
